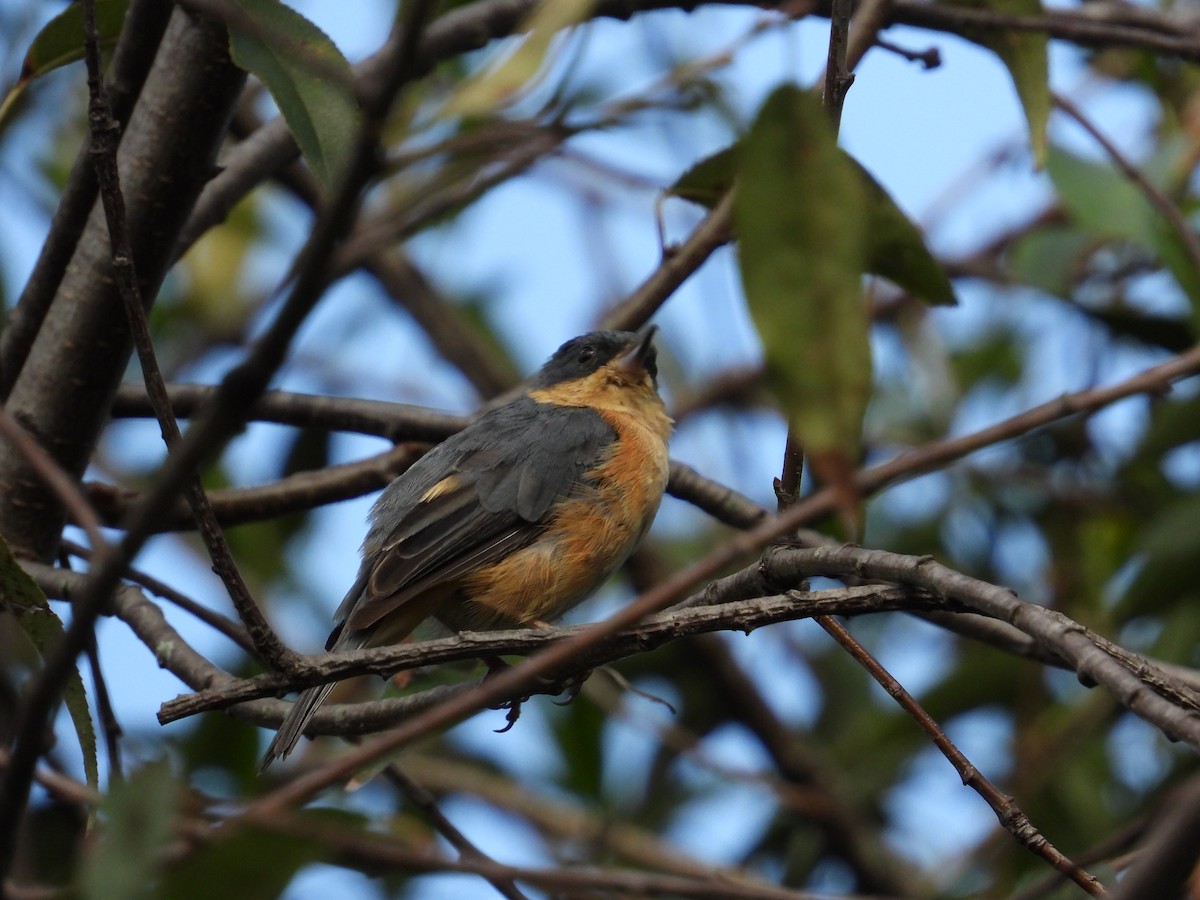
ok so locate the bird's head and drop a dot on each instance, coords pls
(614, 370)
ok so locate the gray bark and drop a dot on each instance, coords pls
(66, 386)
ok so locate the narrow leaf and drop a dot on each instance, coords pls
(139, 819)
(799, 214)
(1109, 206)
(496, 86)
(895, 246)
(1025, 55)
(25, 599)
(61, 42)
(308, 77)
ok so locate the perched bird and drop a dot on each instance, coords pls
(518, 517)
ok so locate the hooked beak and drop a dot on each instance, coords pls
(640, 359)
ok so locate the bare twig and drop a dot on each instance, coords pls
(427, 803)
(1005, 808)
(677, 266)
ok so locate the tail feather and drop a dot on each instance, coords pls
(303, 710)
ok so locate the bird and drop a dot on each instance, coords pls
(517, 518)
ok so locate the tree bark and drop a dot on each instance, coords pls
(66, 386)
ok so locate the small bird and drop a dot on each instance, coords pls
(518, 517)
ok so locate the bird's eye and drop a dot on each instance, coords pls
(586, 354)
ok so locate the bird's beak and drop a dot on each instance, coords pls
(638, 361)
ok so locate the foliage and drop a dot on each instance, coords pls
(993, 380)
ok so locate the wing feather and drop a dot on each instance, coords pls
(475, 498)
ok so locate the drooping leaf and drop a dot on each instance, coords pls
(895, 246)
(707, 181)
(1025, 55)
(44, 630)
(799, 215)
(1110, 207)
(139, 816)
(309, 79)
(896, 249)
(61, 42)
(496, 86)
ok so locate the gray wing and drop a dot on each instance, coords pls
(475, 498)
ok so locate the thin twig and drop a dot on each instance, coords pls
(105, 136)
(222, 624)
(427, 803)
(1005, 808)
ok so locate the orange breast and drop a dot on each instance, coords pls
(589, 536)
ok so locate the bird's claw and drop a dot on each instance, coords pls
(572, 686)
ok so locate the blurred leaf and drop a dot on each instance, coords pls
(498, 85)
(707, 181)
(995, 359)
(580, 727)
(1025, 55)
(215, 302)
(259, 863)
(895, 246)
(138, 818)
(1101, 200)
(310, 80)
(224, 743)
(61, 42)
(1050, 258)
(1173, 424)
(1111, 207)
(25, 599)
(803, 240)
(1170, 569)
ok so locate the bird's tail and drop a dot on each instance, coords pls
(303, 710)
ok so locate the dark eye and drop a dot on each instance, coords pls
(586, 354)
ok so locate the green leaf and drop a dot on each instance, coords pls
(707, 181)
(799, 214)
(496, 86)
(310, 80)
(1170, 570)
(26, 601)
(1101, 200)
(1025, 55)
(61, 42)
(1051, 258)
(1111, 207)
(259, 863)
(139, 817)
(895, 247)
